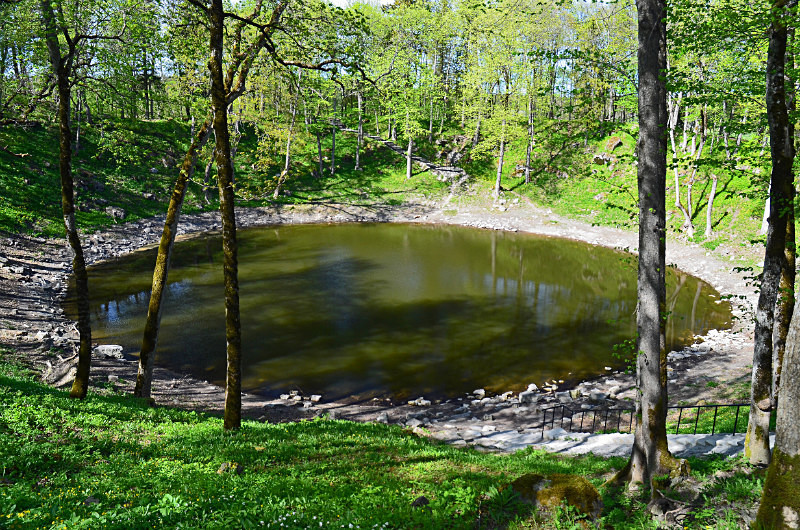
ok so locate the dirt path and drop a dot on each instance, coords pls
(34, 274)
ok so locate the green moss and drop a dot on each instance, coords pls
(554, 490)
(780, 504)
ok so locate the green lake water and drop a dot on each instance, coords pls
(394, 310)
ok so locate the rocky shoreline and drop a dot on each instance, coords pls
(34, 274)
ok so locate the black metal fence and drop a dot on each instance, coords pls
(621, 419)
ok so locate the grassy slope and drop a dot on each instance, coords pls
(132, 164)
(112, 462)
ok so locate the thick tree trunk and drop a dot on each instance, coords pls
(152, 325)
(786, 297)
(782, 152)
(785, 305)
(61, 69)
(232, 417)
(650, 455)
(780, 503)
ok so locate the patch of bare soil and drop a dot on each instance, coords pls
(34, 273)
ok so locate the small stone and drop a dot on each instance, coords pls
(532, 388)
(419, 502)
(109, 351)
(414, 422)
(315, 398)
(113, 378)
(596, 395)
(554, 434)
(479, 392)
(230, 467)
(383, 417)
(285, 396)
(297, 398)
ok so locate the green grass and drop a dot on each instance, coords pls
(703, 419)
(113, 167)
(111, 461)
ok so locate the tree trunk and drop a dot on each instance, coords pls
(285, 173)
(650, 455)
(529, 147)
(476, 137)
(408, 158)
(360, 135)
(710, 207)
(785, 306)
(232, 417)
(500, 160)
(61, 69)
(319, 153)
(333, 150)
(782, 152)
(152, 325)
(786, 298)
(780, 503)
(206, 178)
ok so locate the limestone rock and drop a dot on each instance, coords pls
(108, 351)
(230, 467)
(551, 491)
(554, 434)
(115, 212)
(613, 143)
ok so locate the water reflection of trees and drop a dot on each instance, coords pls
(529, 309)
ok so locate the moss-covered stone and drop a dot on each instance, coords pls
(551, 491)
(780, 503)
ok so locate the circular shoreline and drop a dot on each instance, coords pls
(45, 279)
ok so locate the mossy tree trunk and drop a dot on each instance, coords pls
(160, 273)
(784, 309)
(780, 499)
(232, 417)
(650, 455)
(782, 152)
(786, 299)
(62, 66)
(233, 86)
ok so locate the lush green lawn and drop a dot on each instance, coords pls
(113, 462)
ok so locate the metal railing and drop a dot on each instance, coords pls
(617, 419)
